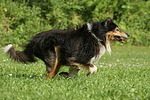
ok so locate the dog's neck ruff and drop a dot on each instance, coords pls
(89, 26)
(108, 49)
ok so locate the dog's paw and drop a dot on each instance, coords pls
(64, 74)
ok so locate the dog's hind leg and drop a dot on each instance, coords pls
(52, 63)
(73, 71)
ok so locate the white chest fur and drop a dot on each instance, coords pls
(102, 50)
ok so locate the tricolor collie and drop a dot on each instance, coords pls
(78, 48)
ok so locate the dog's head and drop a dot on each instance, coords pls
(113, 32)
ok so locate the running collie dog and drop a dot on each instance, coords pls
(78, 48)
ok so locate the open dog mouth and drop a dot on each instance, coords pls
(117, 35)
(119, 39)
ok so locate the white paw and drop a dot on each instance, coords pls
(92, 69)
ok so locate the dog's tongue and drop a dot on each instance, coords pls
(121, 40)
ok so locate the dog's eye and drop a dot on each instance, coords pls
(117, 30)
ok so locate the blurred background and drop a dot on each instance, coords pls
(22, 19)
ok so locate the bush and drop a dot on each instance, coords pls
(137, 21)
(21, 19)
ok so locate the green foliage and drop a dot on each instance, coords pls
(137, 20)
(122, 76)
(21, 19)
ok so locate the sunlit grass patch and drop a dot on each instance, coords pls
(123, 75)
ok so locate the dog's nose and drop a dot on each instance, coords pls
(128, 35)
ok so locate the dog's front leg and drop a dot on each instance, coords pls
(73, 71)
(92, 69)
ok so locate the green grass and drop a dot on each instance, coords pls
(125, 75)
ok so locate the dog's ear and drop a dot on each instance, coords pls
(107, 21)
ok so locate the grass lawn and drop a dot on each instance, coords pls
(125, 75)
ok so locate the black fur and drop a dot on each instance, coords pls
(77, 46)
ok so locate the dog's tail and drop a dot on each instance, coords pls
(24, 56)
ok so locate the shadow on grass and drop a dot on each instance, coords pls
(23, 76)
(39, 76)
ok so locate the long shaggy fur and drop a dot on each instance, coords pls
(75, 48)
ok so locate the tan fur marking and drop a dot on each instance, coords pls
(91, 68)
(56, 67)
(116, 32)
